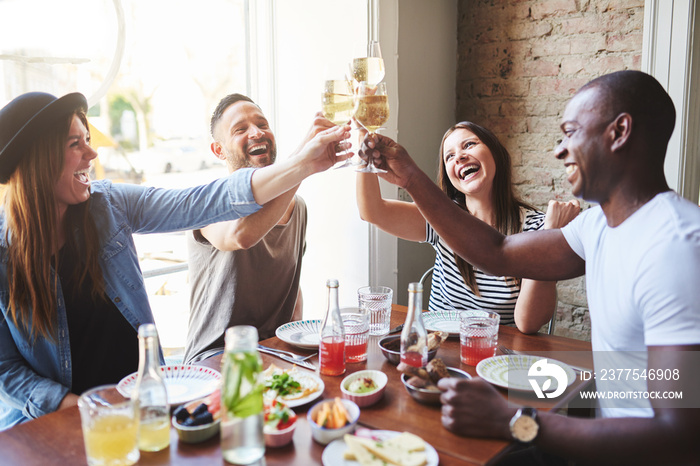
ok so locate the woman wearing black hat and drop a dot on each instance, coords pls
(71, 290)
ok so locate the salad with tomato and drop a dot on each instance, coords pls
(278, 416)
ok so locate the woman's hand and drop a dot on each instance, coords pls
(71, 399)
(560, 213)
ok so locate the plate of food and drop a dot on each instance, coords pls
(291, 386)
(391, 447)
(300, 333)
(445, 321)
(512, 371)
(183, 382)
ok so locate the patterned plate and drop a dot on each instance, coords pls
(300, 333)
(511, 371)
(446, 321)
(183, 383)
(334, 453)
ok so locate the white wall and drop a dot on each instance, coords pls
(425, 38)
(309, 35)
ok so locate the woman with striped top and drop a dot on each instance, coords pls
(475, 172)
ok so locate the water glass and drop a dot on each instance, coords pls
(356, 325)
(376, 301)
(478, 335)
(110, 427)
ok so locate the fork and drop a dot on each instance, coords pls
(505, 350)
(296, 357)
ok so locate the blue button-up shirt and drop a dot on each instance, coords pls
(36, 376)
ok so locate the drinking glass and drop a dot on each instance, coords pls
(356, 325)
(478, 335)
(338, 106)
(110, 427)
(371, 111)
(368, 65)
(376, 301)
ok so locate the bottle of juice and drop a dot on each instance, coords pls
(414, 338)
(242, 440)
(154, 427)
(331, 355)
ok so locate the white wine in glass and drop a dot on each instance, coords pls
(368, 69)
(371, 111)
(337, 101)
(368, 66)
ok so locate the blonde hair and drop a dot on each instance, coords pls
(32, 217)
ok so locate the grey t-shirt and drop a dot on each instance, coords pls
(256, 286)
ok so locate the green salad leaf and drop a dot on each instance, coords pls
(283, 384)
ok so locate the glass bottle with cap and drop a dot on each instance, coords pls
(150, 391)
(242, 440)
(331, 355)
(414, 338)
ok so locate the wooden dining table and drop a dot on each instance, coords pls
(57, 438)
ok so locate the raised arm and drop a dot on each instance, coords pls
(317, 155)
(542, 255)
(537, 300)
(398, 218)
(246, 232)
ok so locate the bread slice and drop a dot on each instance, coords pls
(357, 451)
(407, 441)
(396, 453)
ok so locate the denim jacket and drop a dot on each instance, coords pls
(34, 377)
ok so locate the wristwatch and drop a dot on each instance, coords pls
(524, 425)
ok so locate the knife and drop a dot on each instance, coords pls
(304, 364)
(396, 329)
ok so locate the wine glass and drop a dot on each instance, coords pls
(338, 106)
(371, 111)
(369, 66)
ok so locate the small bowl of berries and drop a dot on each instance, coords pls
(199, 420)
(279, 423)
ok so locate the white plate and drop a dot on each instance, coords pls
(444, 321)
(183, 383)
(511, 371)
(300, 377)
(333, 453)
(300, 333)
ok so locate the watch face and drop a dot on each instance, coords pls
(524, 428)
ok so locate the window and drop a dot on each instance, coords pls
(153, 71)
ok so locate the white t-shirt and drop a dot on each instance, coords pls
(642, 278)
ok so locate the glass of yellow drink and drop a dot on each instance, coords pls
(110, 427)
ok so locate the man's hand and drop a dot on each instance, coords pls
(473, 408)
(561, 213)
(319, 124)
(390, 156)
(326, 148)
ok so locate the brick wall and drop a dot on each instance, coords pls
(519, 62)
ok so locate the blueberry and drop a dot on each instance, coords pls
(202, 408)
(202, 418)
(189, 422)
(181, 413)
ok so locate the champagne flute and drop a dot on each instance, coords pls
(369, 67)
(338, 106)
(371, 112)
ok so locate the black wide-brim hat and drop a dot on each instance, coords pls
(27, 116)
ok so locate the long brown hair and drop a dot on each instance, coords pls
(506, 204)
(32, 216)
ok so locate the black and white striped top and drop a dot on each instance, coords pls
(448, 290)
